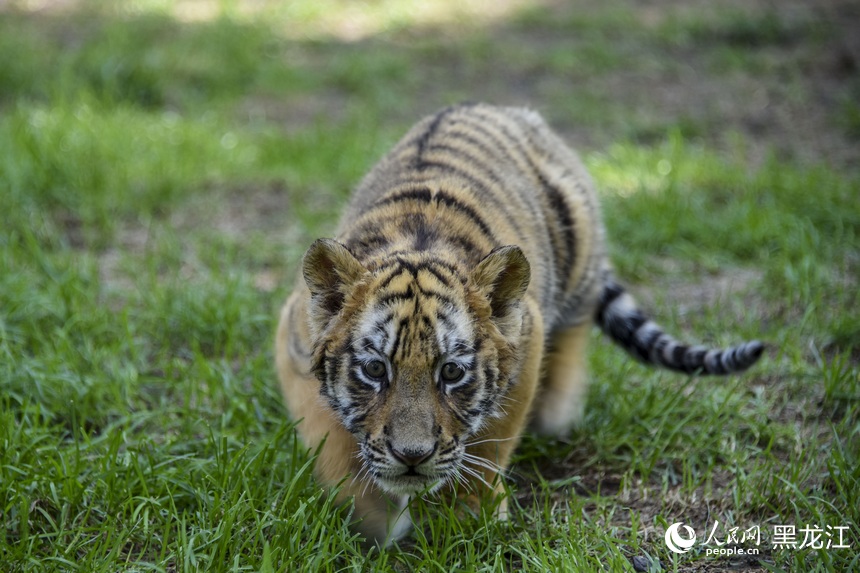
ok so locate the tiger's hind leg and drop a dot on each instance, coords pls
(561, 404)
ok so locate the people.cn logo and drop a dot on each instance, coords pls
(677, 542)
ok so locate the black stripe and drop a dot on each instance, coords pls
(371, 223)
(513, 141)
(485, 171)
(635, 321)
(408, 266)
(468, 210)
(648, 344)
(624, 330)
(470, 178)
(444, 298)
(491, 377)
(444, 452)
(561, 209)
(443, 317)
(451, 268)
(678, 356)
(432, 268)
(425, 238)
(467, 138)
(359, 389)
(498, 143)
(657, 349)
(479, 164)
(611, 291)
(424, 140)
(384, 335)
(395, 296)
(366, 244)
(417, 223)
(415, 194)
(465, 392)
(399, 336)
(479, 187)
(414, 225)
(695, 359)
(471, 251)
(399, 265)
(553, 242)
(556, 205)
(461, 347)
(396, 271)
(460, 418)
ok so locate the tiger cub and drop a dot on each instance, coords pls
(453, 309)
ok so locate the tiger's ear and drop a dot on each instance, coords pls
(503, 276)
(329, 270)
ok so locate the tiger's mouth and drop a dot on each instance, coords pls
(410, 482)
(395, 478)
(399, 474)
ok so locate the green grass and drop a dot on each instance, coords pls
(160, 177)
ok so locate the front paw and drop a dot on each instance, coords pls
(495, 502)
(381, 519)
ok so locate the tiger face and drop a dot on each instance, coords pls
(414, 355)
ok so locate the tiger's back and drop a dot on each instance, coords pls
(476, 177)
(452, 309)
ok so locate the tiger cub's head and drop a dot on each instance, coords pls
(415, 354)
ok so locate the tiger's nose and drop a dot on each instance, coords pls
(412, 457)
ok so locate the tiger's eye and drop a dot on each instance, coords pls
(374, 369)
(451, 372)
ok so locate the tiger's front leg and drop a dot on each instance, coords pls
(489, 453)
(380, 517)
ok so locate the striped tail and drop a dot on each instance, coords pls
(618, 317)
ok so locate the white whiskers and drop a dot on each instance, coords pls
(475, 474)
(482, 462)
(467, 444)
